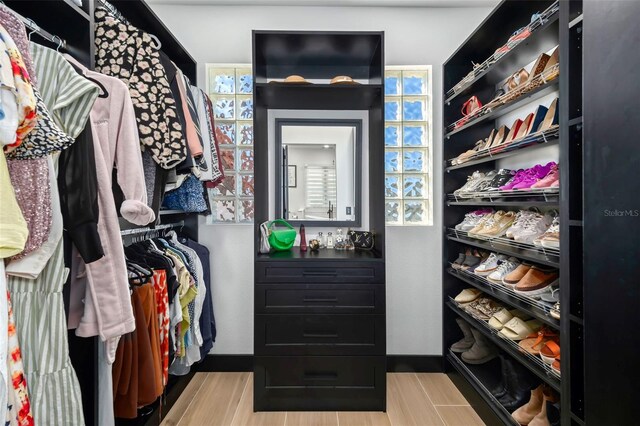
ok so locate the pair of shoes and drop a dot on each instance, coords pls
(504, 268)
(531, 281)
(503, 316)
(517, 329)
(516, 382)
(534, 343)
(530, 225)
(551, 237)
(472, 219)
(474, 347)
(526, 178)
(542, 409)
(469, 260)
(494, 225)
(544, 69)
(472, 181)
(467, 295)
(483, 308)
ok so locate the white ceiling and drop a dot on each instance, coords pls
(336, 3)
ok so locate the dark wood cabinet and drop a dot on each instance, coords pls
(319, 318)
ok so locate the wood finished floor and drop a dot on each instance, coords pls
(226, 399)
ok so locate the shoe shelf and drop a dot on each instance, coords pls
(546, 18)
(537, 89)
(548, 195)
(466, 372)
(533, 307)
(531, 362)
(528, 143)
(542, 255)
(506, 203)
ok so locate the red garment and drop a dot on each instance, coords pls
(162, 304)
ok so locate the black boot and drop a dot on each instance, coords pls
(520, 382)
(501, 388)
(553, 413)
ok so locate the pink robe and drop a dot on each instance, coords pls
(107, 303)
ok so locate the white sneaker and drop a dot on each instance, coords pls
(506, 267)
(551, 238)
(521, 217)
(471, 181)
(489, 265)
(532, 227)
(472, 219)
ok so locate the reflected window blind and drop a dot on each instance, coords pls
(321, 187)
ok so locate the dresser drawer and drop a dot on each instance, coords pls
(319, 298)
(316, 334)
(320, 272)
(320, 383)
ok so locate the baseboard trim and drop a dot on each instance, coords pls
(226, 363)
(395, 363)
(415, 364)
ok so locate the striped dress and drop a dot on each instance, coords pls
(38, 304)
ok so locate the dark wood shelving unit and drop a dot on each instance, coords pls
(537, 93)
(530, 308)
(501, 155)
(569, 202)
(319, 318)
(318, 96)
(542, 373)
(524, 254)
(506, 203)
(529, 48)
(492, 412)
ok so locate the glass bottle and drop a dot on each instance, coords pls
(322, 239)
(340, 242)
(303, 239)
(330, 240)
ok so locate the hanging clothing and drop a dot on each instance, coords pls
(207, 319)
(162, 304)
(18, 407)
(213, 172)
(194, 139)
(18, 100)
(13, 227)
(107, 309)
(188, 197)
(16, 29)
(128, 53)
(78, 187)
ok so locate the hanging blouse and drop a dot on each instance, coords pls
(20, 84)
(213, 173)
(13, 227)
(18, 33)
(128, 53)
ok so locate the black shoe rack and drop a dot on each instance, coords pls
(563, 27)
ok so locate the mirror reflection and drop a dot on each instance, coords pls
(319, 172)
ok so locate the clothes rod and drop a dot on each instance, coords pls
(36, 28)
(147, 229)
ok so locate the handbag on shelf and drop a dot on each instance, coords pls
(281, 239)
(362, 240)
(470, 106)
(265, 247)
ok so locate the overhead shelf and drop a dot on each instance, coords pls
(317, 96)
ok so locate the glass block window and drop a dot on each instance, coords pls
(407, 135)
(230, 88)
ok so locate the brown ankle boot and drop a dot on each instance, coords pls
(525, 414)
(541, 419)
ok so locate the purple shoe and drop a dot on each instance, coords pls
(533, 175)
(520, 174)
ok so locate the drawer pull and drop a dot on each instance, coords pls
(326, 335)
(328, 376)
(319, 273)
(320, 300)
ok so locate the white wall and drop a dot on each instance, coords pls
(413, 36)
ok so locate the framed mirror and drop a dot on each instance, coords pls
(319, 171)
